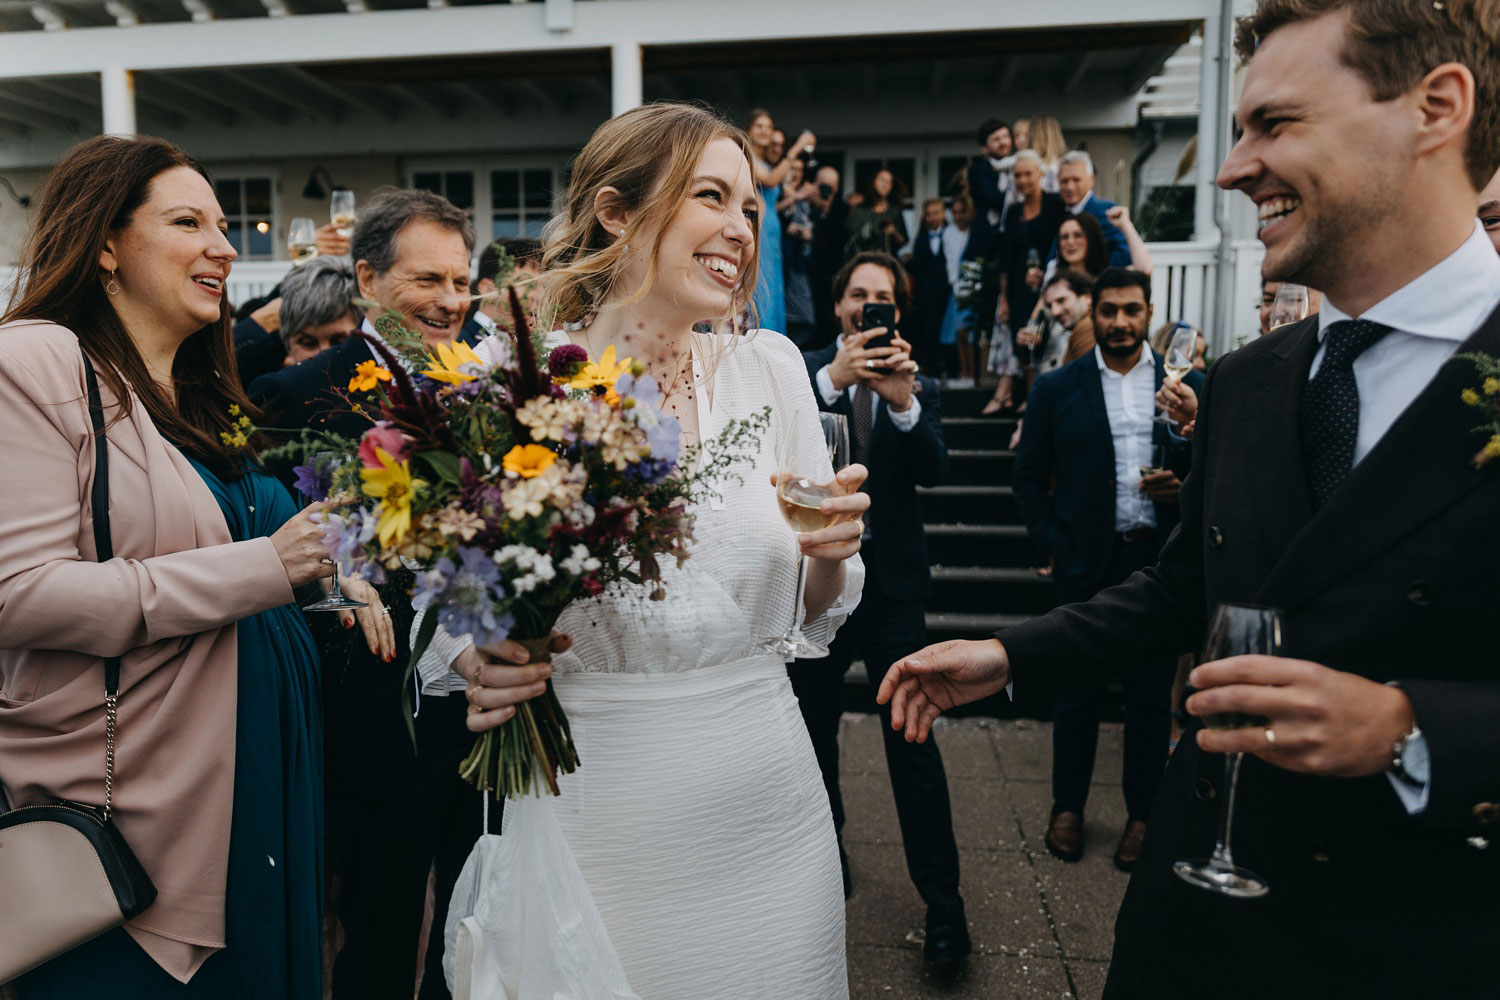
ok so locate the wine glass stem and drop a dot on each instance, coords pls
(797, 609)
(1162, 414)
(335, 591)
(1222, 856)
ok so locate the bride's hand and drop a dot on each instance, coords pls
(840, 540)
(500, 679)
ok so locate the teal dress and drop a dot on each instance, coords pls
(274, 916)
(770, 287)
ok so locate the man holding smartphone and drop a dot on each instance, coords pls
(895, 430)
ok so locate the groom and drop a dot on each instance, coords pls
(1333, 478)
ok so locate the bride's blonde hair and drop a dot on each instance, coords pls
(650, 155)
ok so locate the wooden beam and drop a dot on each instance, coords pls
(162, 90)
(414, 95)
(316, 106)
(1010, 67)
(353, 95)
(1081, 67)
(486, 97)
(939, 77)
(46, 109)
(542, 95)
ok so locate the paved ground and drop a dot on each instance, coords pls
(1041, 928)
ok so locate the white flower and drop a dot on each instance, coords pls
(580, 562)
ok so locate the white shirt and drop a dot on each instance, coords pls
(935, 240)
(1078, 208)
(1130, 401)
(1429, 318)
(903, 421)
(955, 242)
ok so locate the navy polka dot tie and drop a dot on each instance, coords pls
(1330, 406)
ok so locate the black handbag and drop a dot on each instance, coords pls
(66, 873)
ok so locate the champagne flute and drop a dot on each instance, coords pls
(1236, 630)
(1291, 305)
(1178, 359)
(807, 464)
(301, 240)
(341, 212)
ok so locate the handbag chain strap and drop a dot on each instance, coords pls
(104, 551)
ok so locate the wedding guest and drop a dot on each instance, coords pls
(1368, 796)
(1045, 138)
(989, 172)
(929, 278)
(966, 326)
(217, 784)
(895, 422)
(490, 313)
(317, 307)
(411, 253)
(1268, 290)
(698, 824)
(796, 211)
(1075, 184)
(877, 223)
(830, 233)
(770, 172)
(1030, 228)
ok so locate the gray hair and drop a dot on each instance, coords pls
(1031, 156)
(387, 214)
(318, 292)
(1078, 156)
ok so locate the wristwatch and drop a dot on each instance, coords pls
(1411, 762)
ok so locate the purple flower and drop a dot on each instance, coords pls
(565, 360)
(315, 479)
(347, 538)
(469, 596)
(662, 431)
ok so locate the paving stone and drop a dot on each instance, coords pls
(895, 974)
(1024, 748)
(1088, 977)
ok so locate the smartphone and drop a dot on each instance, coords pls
(878, 314)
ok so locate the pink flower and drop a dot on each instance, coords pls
(386, 437)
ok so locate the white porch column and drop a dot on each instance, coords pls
(625, 76)
(1210, 107)
(117, 89)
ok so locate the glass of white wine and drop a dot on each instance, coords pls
(1291, 305)
(341, 212)
(803, 482)
(301, 239)
(1178, 358)
(1236, 630)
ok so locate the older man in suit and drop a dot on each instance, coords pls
(1097, 514)
(896, 431)
(1334, 477)
(1075, 183)
(392, 811)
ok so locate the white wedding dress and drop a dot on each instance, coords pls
(697, 847)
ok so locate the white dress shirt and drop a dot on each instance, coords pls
(1130, 401)
(1078, 208)
(955, 242)
(1429, 318)
(903, 421)
(935, 240)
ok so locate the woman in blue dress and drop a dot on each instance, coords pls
(770, 289)
(149, 311)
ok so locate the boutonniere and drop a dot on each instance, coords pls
(1485, 397)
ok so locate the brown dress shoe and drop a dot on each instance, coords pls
(1064, 837)
(1130, 844)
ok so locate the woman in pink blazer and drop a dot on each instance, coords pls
(219, 761)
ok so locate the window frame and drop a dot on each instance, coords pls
(241, 174)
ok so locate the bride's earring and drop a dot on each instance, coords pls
(623, 246)
(113, 286)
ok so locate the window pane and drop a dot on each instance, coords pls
(538, 190)
(428, 180)
(229, 197)
(258, 196)
(534, 226)
(949, 168)
(505, 189)
(260, 242)
(508, 225)
(460, 188)
(236, 235)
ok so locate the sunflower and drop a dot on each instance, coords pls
(393, 484)
(528, 461)
(602, 374)
(366, 375)
(444, 367)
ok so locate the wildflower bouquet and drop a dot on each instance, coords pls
(1485, 397)
(510, 491)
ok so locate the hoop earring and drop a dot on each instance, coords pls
(113, 286)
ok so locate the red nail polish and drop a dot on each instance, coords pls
(349, 624)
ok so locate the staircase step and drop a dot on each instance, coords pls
(987, 590)
(965, 504)
(979, 466)
(980, 545)
(978, 432)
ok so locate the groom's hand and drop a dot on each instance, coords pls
(1325, 721)
(930, 681)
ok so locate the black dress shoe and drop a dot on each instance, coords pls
(1064, 836)
(947, 934)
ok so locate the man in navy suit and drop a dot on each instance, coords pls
(929, 271)
(393, 811)
(1075, 182)
(896, 430)
(1097, 516)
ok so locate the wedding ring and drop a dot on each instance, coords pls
(870, 364)
(385, 611)
(1271, 739)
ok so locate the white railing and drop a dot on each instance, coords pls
(1183, 286)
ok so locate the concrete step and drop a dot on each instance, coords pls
(964, 430)
(979, 466)
(999, 545)
(966, 504)
(983, 590)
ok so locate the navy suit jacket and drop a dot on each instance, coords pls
(899, 462)
(1064, 472)
(1115, 244)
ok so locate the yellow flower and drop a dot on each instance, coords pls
(1470, 397)
(393, 484)
(602, 374)
(1492, 386)
(367, 375)
(1492, 447)
(528, 461)
(444, 367)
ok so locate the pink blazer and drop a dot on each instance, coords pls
(166, 604)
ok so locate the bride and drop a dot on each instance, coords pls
(698, 819)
